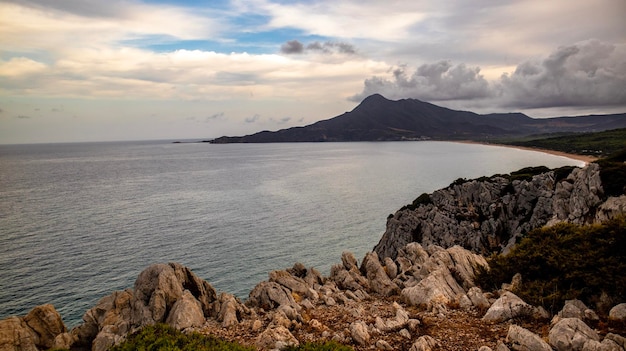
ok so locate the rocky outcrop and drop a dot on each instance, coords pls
(521, 339)
(571, 334)
(38, 330)
(163, 293)
(488, 215)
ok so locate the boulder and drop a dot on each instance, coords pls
(16, 335)
(270, 295)
(229, 309)
(275, 338)
(438, 288)
(576, 309)
(47, 323)
(400, 321)
(295, 284)
(521, 339)
(359, 333)
(478, 298)
(506, 307)
(348, 260)
(425, 343)
(379, 281)
(186, 313)
(571, 334)
(617, 314)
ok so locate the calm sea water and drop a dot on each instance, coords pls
(78, 221)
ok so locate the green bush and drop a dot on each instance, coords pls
(161, 337)
(564, 262)
(327, 346)
(613, 173)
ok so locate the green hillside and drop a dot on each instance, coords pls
(596, 144)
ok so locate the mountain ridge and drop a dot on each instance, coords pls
(377, 118)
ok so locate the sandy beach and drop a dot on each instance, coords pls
(584, 158)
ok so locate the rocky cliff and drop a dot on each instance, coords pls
(489, 214)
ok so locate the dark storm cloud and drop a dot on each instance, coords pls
(435, 82)
(296, 47)
(592, 73)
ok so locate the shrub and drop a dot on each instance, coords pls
(327, 346)
(162, 337)
(564, 262)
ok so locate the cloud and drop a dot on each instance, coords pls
(434, 82)
(253, 119)
(292, 47)
(215, 116)
(588, 73)
(328, 47)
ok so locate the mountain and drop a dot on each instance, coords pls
(379, 119)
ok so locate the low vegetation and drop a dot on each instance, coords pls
(613, 173)
(563, 262)
(594, 144)
(162, 337)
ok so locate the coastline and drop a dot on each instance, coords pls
(584, 158)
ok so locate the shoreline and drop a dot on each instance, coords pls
(584, 158)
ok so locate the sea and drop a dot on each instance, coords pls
(81, 220)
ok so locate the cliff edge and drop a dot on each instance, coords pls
(489, 215)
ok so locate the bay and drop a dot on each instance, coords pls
(78, 221)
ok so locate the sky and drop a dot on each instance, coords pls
(93, 70)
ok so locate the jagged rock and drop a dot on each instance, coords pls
(611, 208)
(16, 335)
(383, 345)
(488, 215)
(186, 313)
(287, 280)
(576, 309)
(348, 280)
(379, 281)
(112, 313)
(478, 298)
(617, 314)
(156, 291)
(438, 288)
(400, 321)
(425, 343)
(464, 301)
(276, 338)
(508, 306)
(47, 323)
(500, 346)
(613, 340)
(571, 334)
(229, 308)
(405, 333)
(270, 295)
(359, 333)
(348, 260)
(390, 268)
(521, 339)
(485, 348)
(63, 341)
